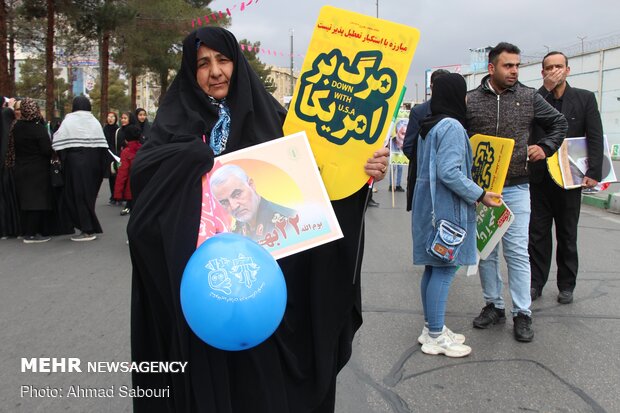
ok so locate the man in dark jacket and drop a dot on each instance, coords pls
(501, 106)
(550, 202)
(410, 146)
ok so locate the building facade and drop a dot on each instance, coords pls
(284, 85)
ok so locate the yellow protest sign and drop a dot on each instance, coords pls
(347, 92)
(491, 160)
(553, 166)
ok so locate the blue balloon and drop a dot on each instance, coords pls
(233, 292)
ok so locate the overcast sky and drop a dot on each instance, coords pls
(448, 28)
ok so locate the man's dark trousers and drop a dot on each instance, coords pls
(565, 205)
(548, 199)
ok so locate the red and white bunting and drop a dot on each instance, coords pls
(218, 15)
(270, 52)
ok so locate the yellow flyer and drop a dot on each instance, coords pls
(491, 160)
(553, 166)
(347, 92)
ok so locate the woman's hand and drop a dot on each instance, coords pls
(376, 166)
(492, 199)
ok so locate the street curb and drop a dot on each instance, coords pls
(596, 201)
(614, 203)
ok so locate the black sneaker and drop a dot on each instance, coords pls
(373, 203)
(490, 316)
(523, 327)
(390, 188)
(400, 189)
(535, 293)
(565, 297)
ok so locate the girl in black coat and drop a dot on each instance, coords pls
(144, 123)
(109, 130)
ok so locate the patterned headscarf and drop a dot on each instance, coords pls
(30, 110)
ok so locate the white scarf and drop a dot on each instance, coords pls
(79, 129)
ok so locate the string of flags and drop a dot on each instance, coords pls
(219, 15)
(269, 52)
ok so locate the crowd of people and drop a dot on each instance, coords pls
(217, 104)
(50, 177)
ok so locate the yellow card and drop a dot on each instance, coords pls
(553, 166)
(491, 161)
(347, 92)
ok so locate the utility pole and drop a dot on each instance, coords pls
(377, 8)
(292, 54)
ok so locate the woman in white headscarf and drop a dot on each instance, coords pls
(82, 148)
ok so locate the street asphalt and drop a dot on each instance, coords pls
(71, 299)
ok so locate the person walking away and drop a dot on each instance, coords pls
(83, 151)
(33, 152)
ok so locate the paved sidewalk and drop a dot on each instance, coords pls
(571, 366)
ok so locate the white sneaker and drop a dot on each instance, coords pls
(457, 338)
(445, 345)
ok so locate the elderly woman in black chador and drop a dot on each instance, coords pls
(216, 105)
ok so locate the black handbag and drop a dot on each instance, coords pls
(57, 178)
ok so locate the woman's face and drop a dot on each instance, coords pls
(17, 110)
(141, 116)
(213, 72)
(111, 118)
(124, 119)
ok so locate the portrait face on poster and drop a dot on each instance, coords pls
(348, 91)
(397, 139)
